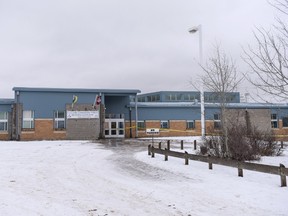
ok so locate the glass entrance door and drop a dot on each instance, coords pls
(114, 128)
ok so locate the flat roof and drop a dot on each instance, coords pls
(182, 92)
(213, 105)
(5, 101)
(80, 90)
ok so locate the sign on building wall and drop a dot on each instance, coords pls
(83, 114)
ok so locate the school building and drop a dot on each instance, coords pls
(88, 114)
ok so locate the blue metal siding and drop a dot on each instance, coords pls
(168, 113)
(117, 105)
(210, 111)
(281, 112)
(79, 90)
(5, 107)
(45, 103)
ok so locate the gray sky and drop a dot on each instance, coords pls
(119, 44)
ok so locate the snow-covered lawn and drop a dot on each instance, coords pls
(85, 178)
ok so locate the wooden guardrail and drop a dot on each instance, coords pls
(276, 170)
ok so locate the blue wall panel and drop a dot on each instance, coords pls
(168, 113)
(281, 112)
(45, 103)
(5, 107)
(210, 111)
(117, 105)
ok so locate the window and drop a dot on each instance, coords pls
(59, 120)
(153, 98)
(285, 121)
(3, 121)
(274, 120)
(230, 97)
(209, 98)
(217, 121)
(141, 125)
(141, 99)
(164, 124)
(121, 128)
(28, 119)
(189, 97)
(173, 97)
(190, 124)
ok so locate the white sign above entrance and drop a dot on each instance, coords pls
(83, 114)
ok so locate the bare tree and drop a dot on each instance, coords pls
(220, 77)
(220, 74)
(269, 60)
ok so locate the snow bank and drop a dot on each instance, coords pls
(83, 178)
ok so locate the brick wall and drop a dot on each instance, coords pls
(43, 130)
(87, 129)
(281, 132)
(259, 118)
(4, 136)
(83, 129)
(177, 128)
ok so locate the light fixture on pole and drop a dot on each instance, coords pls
(192, 31)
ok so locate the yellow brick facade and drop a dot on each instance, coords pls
(43, 130)
(4, 136)
(177, 128)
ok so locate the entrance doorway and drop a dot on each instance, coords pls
(114, 128)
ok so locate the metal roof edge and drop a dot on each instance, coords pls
(79, 90)
(161, 92)
(5, 101)
(165, 104)
(193, 104)
(185, 91)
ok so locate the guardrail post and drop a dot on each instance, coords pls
(159, 145)
(166, 154)
(210, 163)
(240, 170)
(152, 152)
(195, 145)
(182, 146)
(186, 157)
(282, 176)
(210, 166)
(168, 144)
(149, 149)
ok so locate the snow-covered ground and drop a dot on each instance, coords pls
(116, 178)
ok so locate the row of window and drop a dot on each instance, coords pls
(60, 123)
(170, 97)
(165, 124)
(185, 97)
(28, 119)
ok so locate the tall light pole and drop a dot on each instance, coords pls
(192, 31)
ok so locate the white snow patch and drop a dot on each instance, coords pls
(83, 178)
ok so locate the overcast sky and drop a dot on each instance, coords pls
(126, 44)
